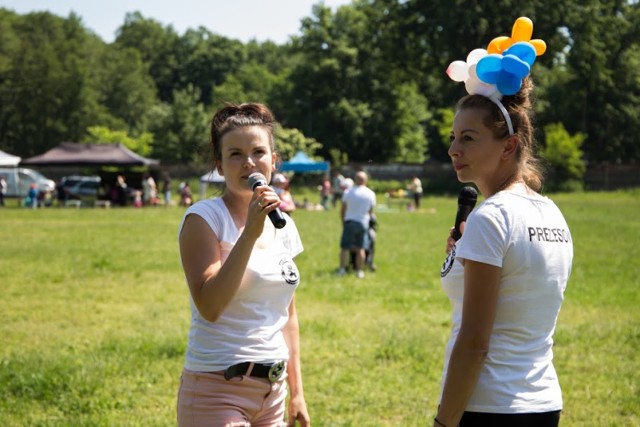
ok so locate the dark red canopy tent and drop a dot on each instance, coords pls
(79, 154)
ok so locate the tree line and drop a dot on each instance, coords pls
(365, 82)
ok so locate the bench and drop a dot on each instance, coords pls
(102, 204)
(72, 203)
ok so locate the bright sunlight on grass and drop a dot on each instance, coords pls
(94, 314)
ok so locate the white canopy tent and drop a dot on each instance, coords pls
(212, 177)
(7, 159)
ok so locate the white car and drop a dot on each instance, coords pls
(19, 181)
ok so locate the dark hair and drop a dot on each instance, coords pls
(233, 116)
(519, 107)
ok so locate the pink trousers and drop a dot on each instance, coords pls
(207, 399)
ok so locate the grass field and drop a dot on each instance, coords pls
(94, 315)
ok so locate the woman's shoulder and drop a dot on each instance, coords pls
(207, 208)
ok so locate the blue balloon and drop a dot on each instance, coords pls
(514, 65)
(507, 71)
(508, 84)
(488, 68)
(523, 50)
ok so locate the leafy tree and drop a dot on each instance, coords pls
(180, 128)
(290, 141)
(125, 88)
(442, 122)
(367, 80)
(563, 154)
(207, 59)
(42, 90)
(158, 47)
(412, 113)
(141, 144)
(251, 83)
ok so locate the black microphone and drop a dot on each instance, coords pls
(466, 201)
(276, 217)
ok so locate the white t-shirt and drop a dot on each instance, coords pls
(359, 200)
(249, 329)
(527, 236)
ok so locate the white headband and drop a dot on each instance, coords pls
(504, 112)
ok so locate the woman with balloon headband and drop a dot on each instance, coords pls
(506, 275)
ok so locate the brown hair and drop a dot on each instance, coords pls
(233, 116)
(520, 111)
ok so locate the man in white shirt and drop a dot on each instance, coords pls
(357, 206)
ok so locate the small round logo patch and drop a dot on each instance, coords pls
(448, 263)
(289, 271)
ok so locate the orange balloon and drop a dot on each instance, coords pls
(539, 45)
(522, 30)
(499, 45)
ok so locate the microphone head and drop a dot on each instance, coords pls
(256, 179)
(468, 197)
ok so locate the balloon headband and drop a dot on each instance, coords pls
(500, 69)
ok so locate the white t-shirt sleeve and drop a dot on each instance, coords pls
(210, 211)
(292, 239)
(485, 237)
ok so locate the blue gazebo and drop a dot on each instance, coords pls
(303, 163)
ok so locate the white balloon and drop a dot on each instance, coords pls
(475, 55)
(458, 71)
(476, 87)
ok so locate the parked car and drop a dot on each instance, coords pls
(87, 189)
(19, 181)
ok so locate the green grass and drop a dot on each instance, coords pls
(94, 315)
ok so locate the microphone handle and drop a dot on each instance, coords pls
(463, 213)
(277, 219)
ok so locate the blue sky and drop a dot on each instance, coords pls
(262, 20)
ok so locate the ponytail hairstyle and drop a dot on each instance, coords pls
(520, 110)
(234, 116)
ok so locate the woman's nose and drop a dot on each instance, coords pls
(453, 149)
(248, 162)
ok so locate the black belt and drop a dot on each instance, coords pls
(272, 372)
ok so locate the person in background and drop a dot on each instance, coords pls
(337, 187)
(415, 187)
(506, 276)
(121, 190)
(32, 197)
(357, 206)
(186, 198)
(61, 193)
(243, 346)
(149, 190)
(137, 199)
(281, 186)
(166, 190)
(347, 184)
(3, 189)
(325, 192)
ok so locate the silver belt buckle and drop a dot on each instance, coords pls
(276, 370)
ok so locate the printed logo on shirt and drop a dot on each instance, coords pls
(448, 263)
(550, 235)
(289, 271)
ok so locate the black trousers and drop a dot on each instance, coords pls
(481, 419)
